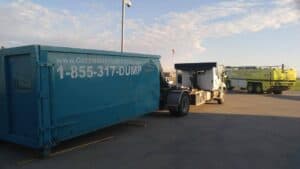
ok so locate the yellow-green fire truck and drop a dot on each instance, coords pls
(271, 79)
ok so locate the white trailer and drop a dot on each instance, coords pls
(205, 81)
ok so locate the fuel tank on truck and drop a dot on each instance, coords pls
(51, 94)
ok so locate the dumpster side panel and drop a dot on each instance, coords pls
(93, 90)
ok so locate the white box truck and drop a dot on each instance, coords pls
(205, 81)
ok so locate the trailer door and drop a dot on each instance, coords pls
(21, 95)
(3, 101)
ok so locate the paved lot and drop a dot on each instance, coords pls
(248, 131)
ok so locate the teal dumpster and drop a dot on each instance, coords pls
(51, 94)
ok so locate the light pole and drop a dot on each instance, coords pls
(128, 4)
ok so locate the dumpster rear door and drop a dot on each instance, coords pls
(21, 95)
(4, 127)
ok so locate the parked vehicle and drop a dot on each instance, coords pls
(266, 79)
(205, 81)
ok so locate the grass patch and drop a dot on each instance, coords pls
(297, 86)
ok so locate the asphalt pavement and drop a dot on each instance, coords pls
(247, 132)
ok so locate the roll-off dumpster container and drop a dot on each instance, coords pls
(51, 94)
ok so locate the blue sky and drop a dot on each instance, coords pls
(230, 32)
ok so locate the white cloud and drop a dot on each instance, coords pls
(24, 22)
(186, 31)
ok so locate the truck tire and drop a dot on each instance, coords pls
(258, 88)
(221, 98)
(250, 88)
(183, 107)
(221, 101)
(228, 86)
(277, 92)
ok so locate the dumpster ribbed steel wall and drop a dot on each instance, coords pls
(51, 94)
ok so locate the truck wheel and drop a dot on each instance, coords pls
(277, 92)
(228, 86)
(221, 101)
(250, 88)
(258, 88)
(183, 107)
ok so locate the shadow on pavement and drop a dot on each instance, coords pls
(286, 97)
(289, 95)
(200, 139)
(238, 92)
(13, 155)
